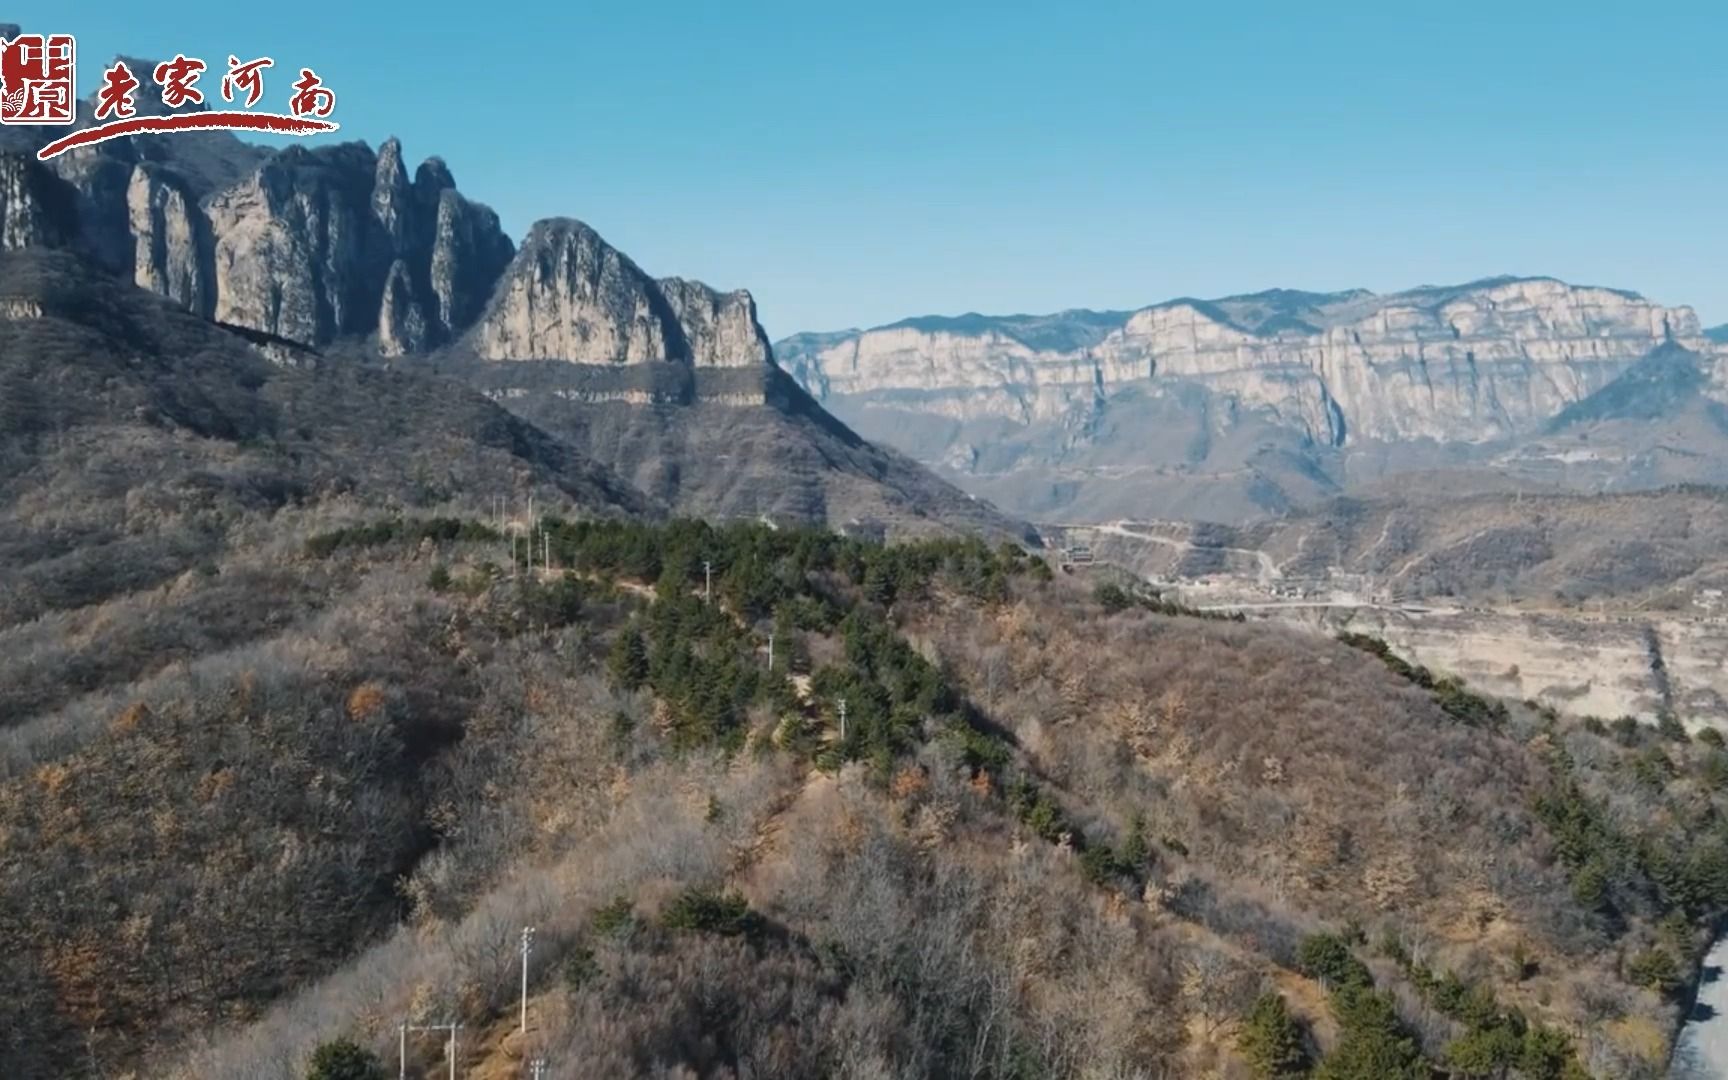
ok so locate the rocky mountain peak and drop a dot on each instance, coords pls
(568, 295)
(432, 177)
(307, 243)
(571, 296)
(392, 198)
(313, 244)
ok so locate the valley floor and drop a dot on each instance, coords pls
(1703, 1048)
(1609, 657)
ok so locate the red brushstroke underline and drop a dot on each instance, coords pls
(276, 123)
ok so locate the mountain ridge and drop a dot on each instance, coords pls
(335, 248)
(1273, 390)
(1274, 294)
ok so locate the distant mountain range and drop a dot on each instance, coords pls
(1235, 407)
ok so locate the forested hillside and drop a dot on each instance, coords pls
(1067, 831)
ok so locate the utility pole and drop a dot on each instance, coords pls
(770, 652)
(527, 946)
(707, 581)
(546, 544)
(842, 719)
(402, 1051)
(449, 1047)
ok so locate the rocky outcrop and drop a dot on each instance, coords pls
(1472, 363)
(307, 244)
(720, 329)
(35, 207)
(171, 240)
(462, 247)
(313, 247)
(318, 244)
(570, 296)
(401, 320)
(392, 199)
(290, 246)
(444, 254)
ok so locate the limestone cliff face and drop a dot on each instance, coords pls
(291, 248)
(308, 244)
(1471, 363)
(321, 243)
(465, 251)
(570, 296)
(313, 247)
(336, 242)
(35, 208)
(171, 239)
(720, 329)
(402, 325)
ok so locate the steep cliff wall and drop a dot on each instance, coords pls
(333, 242)
(669, 381)
(308, 244)
(1472, 363)
(570, 296)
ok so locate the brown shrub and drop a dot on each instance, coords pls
(366, 701)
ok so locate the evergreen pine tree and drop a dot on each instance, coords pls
(1271, 1040)
(1375, 1045)
(1135, 850)
(344, 1059)
(878, 584)
(628, 661)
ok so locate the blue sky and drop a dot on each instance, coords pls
(855, 164)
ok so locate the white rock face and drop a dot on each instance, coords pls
(310, 244)
(313, 245)
(1472, 363)
(288, 253)
(167, 232)
(464, 255)
(570, 296)
(720, 329)
(401, 323)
